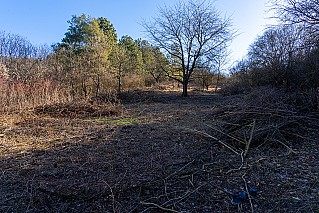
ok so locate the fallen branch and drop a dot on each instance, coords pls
(249, 196)
(160, 207)
(250, 138)
(282, 143)
(241, 166)
(187, 194)
(229, 135)
(217, 140)
(174, 173)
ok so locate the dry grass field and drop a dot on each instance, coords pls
(159, 152)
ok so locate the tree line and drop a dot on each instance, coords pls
(286, 55)
(88, 61)
(188, 43)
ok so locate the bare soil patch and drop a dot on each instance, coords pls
(165, 153)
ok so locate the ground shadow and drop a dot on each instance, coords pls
(155, 164)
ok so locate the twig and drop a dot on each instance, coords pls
(299, 136)
(160, 207)
(282, 143)
(241, 166)
(187, 194)
(249, 197)
(229, 135)
(112, 195)
(250, 138)
(219, 141)
(174, 173)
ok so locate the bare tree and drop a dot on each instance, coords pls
(300, 12)
(189, 32)
(272, 53)
(219, 64)
(23, 60)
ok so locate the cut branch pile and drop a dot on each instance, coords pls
(265, 126)
(79, 109)
(255, 122)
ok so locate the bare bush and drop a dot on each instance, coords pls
(16, 95)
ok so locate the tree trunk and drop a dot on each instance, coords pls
(185, 84)
(119, 84)
(84, 88)
(119, 78)
(217, 81)
(97, 89)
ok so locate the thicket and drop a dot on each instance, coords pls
(281, 57)
(284, 56)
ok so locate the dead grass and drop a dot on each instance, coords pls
(163, 153)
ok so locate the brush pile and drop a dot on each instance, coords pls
(265, 117)
(81, 109)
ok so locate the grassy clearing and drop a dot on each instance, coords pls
(153, 156)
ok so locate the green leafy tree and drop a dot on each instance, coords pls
(108, 30)
(154, 61)
(134, 53)
(85, 48)
(120, 65)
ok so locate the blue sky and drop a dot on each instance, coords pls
(45, 21)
